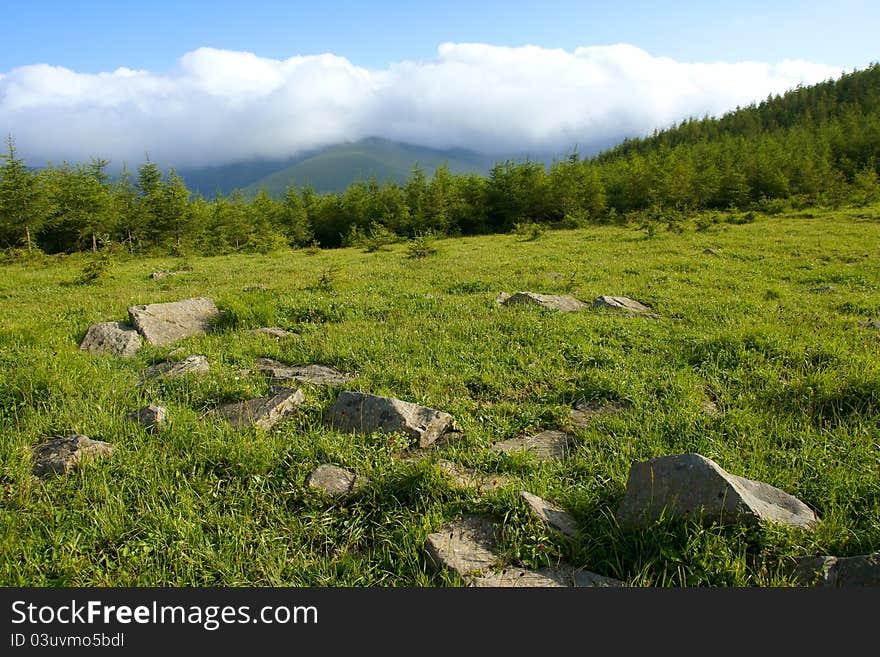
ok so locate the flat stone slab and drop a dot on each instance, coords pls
(545, 577)
(319, 375)
(171, 369)
(556, 518)
(164, 323)
(262, 412)
(360, 412)
(584, 410)
(465, 546)
(863, 570)
(151, 417)
(272, 332)
(692, 486)
(61, 455)
(334, 480)
(547, 445)
(563, 303)
(116, 338)
(620, 303)
(464, 478)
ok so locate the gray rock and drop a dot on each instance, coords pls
(151, 417)
(872, 325)
(159, 275)
(465, 546)
(272, 332)
(117, 338)
(502, 298)
(254, 288)
(690, 485)
(173, 369)
(584, 410)
(365, 413)
(563, 303)
(464, 478)
(262, 412)
(547, 445)
(60, 455)
(824, 288)
(164, 323)
(562, 576)
(620, 303)
(551, 515)
(319, 375)
(708, 251)
(863, 570)
(334, 480)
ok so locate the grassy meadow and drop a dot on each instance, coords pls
(794, 377)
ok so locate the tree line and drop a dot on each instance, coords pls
(813, 145)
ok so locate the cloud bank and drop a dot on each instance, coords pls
(221, 106)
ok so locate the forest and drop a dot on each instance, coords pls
(817, 145)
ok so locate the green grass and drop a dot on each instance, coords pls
(200, 504)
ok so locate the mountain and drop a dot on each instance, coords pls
(334, 168)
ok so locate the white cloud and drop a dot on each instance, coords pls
(221, 106)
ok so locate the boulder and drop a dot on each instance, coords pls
(364, 413)
(863, 570)
(465, 546)
(334, 481)
(692, 486)
(620, 303)
(463, 478)
(272, 332)
(564, 303)
(319, 375)
(551, 515)
(262, 412)
(117, 338)
(60, 455)
(547, 445)
(164, 323)
(151, 417)
(172, 369)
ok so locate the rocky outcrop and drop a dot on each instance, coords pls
(562, 303)
(116, 338)
(171, 369)
(61, 455)
(164, 323)
(863, 570)
(262, 412)
(319, 375)
(620, 303)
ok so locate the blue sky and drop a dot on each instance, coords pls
(215, 82)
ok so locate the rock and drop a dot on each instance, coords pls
(825, 288)
(691, 485)
(272, 332)
(117, 338)
(710, 408)
(262, 412)
(565, 576)
(151, 417)
(585, 409)
(60, 455)
(334, 480)
(547, 445)
(620, 303)
(465, 546)
(365, 413)
(564, 303)
(159, 275)
(465, 478)
(709, 252)
(254, 288)
(502, 298)
(871, 325)
(164, 323)
(318, 375)
(173, 369)
(551, 515)
(863, 570)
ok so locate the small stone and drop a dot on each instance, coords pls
(465, 546)
(164, 323)
(586, 409)
(272, 332)
(254, 288)
(314, 374)
(502, 298)
(562, 303)
(547, 445)
(116, 338)
(708, 251)
(151, 417)
(692, 486)
(872, 325)
(60, 455)
(863, 570)
(825, 288)
(159, 275)
(464, 478)
(551, 515)
(262, 412)
(174, 369)
(364, 413)
(710, 408)
(334, 480)
(620, 303)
